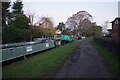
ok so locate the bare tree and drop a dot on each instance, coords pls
(79, 21)
(46, 26)
(31, 16)
(105, 26)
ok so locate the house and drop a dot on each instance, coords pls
(116, 28)
(57, 37)
(57, 34)
(58, 31)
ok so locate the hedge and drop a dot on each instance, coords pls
(112, 44)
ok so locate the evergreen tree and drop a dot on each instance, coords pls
(61, 26)
(20, 20)
(18, 23)
(17, 7)
(5, 13)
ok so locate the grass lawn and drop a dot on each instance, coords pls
(43, 65)
(109, 59)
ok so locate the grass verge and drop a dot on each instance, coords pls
(109, 59)
(43, 65)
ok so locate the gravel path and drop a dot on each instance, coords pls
(83, 63)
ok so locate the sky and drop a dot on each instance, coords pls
(59, 11)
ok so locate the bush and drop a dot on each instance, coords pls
(13, 34)
(111, 44)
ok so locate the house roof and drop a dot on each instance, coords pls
(117, 18)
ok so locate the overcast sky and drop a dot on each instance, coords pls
(101, 11)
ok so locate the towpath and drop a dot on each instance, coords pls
(85, 62)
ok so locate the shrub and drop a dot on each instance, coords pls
(111, 44)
